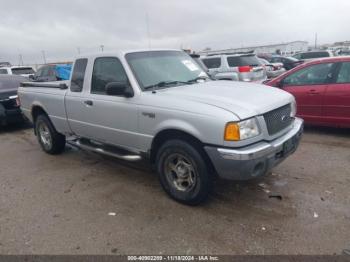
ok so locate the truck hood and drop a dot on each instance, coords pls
(245, 100)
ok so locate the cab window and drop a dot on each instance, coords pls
(107, 70)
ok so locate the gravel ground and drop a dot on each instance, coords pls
(61, 204)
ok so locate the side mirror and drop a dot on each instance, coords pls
(119, 89)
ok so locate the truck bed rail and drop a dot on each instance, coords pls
(45, 85)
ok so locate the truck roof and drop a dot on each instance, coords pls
(123, 52)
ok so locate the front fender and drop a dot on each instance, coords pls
(179, 125)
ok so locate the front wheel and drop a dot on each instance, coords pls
(49, 139)
(183, 172)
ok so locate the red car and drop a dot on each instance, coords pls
(321, 89)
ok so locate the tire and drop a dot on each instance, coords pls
(183, 173)
(49, 139)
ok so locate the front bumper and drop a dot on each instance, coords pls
(255, 160)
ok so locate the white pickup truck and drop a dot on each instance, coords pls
(161, 106)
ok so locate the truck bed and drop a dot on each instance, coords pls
(48, 95)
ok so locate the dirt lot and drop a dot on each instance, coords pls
(61, 204)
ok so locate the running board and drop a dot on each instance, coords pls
(105, 150)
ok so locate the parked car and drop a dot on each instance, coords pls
(288, 62)
(272, 69)
(10, 111)
(236, 67)
(161, 106)
(53, 72)
(311, 55)
(25, 71)
(321, 89)
(344, 52)
(7, 64)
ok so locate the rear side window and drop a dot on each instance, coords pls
(3, 72)
(235, 61)
(107, 70)
(77, 81)
(344, 73)
(214, 62)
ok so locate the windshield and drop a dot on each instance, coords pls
(22, 71)
(154, 67)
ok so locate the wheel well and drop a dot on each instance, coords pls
(36, 111)
(169, 134)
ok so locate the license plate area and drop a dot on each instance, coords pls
(288, 147)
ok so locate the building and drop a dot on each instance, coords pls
(284, 48)
(345, 45)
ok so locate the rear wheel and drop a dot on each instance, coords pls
(183, 172)
(49, 139)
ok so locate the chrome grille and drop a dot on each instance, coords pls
(278, 119)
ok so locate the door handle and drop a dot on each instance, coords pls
(313, 92)
(88, 102)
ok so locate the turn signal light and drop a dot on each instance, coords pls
(232, 132)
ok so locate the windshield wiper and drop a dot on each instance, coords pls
(196, 79)
(164, 84)
(170, 83)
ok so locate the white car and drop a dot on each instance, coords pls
(25, 71)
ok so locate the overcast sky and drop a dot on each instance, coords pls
(61, 27)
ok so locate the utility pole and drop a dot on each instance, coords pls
(102, 47)
(78, 48)
(21, 60)
(44, 56)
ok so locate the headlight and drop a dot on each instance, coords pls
(293, 111)
(241, 130)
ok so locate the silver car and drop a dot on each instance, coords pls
(236, 67)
